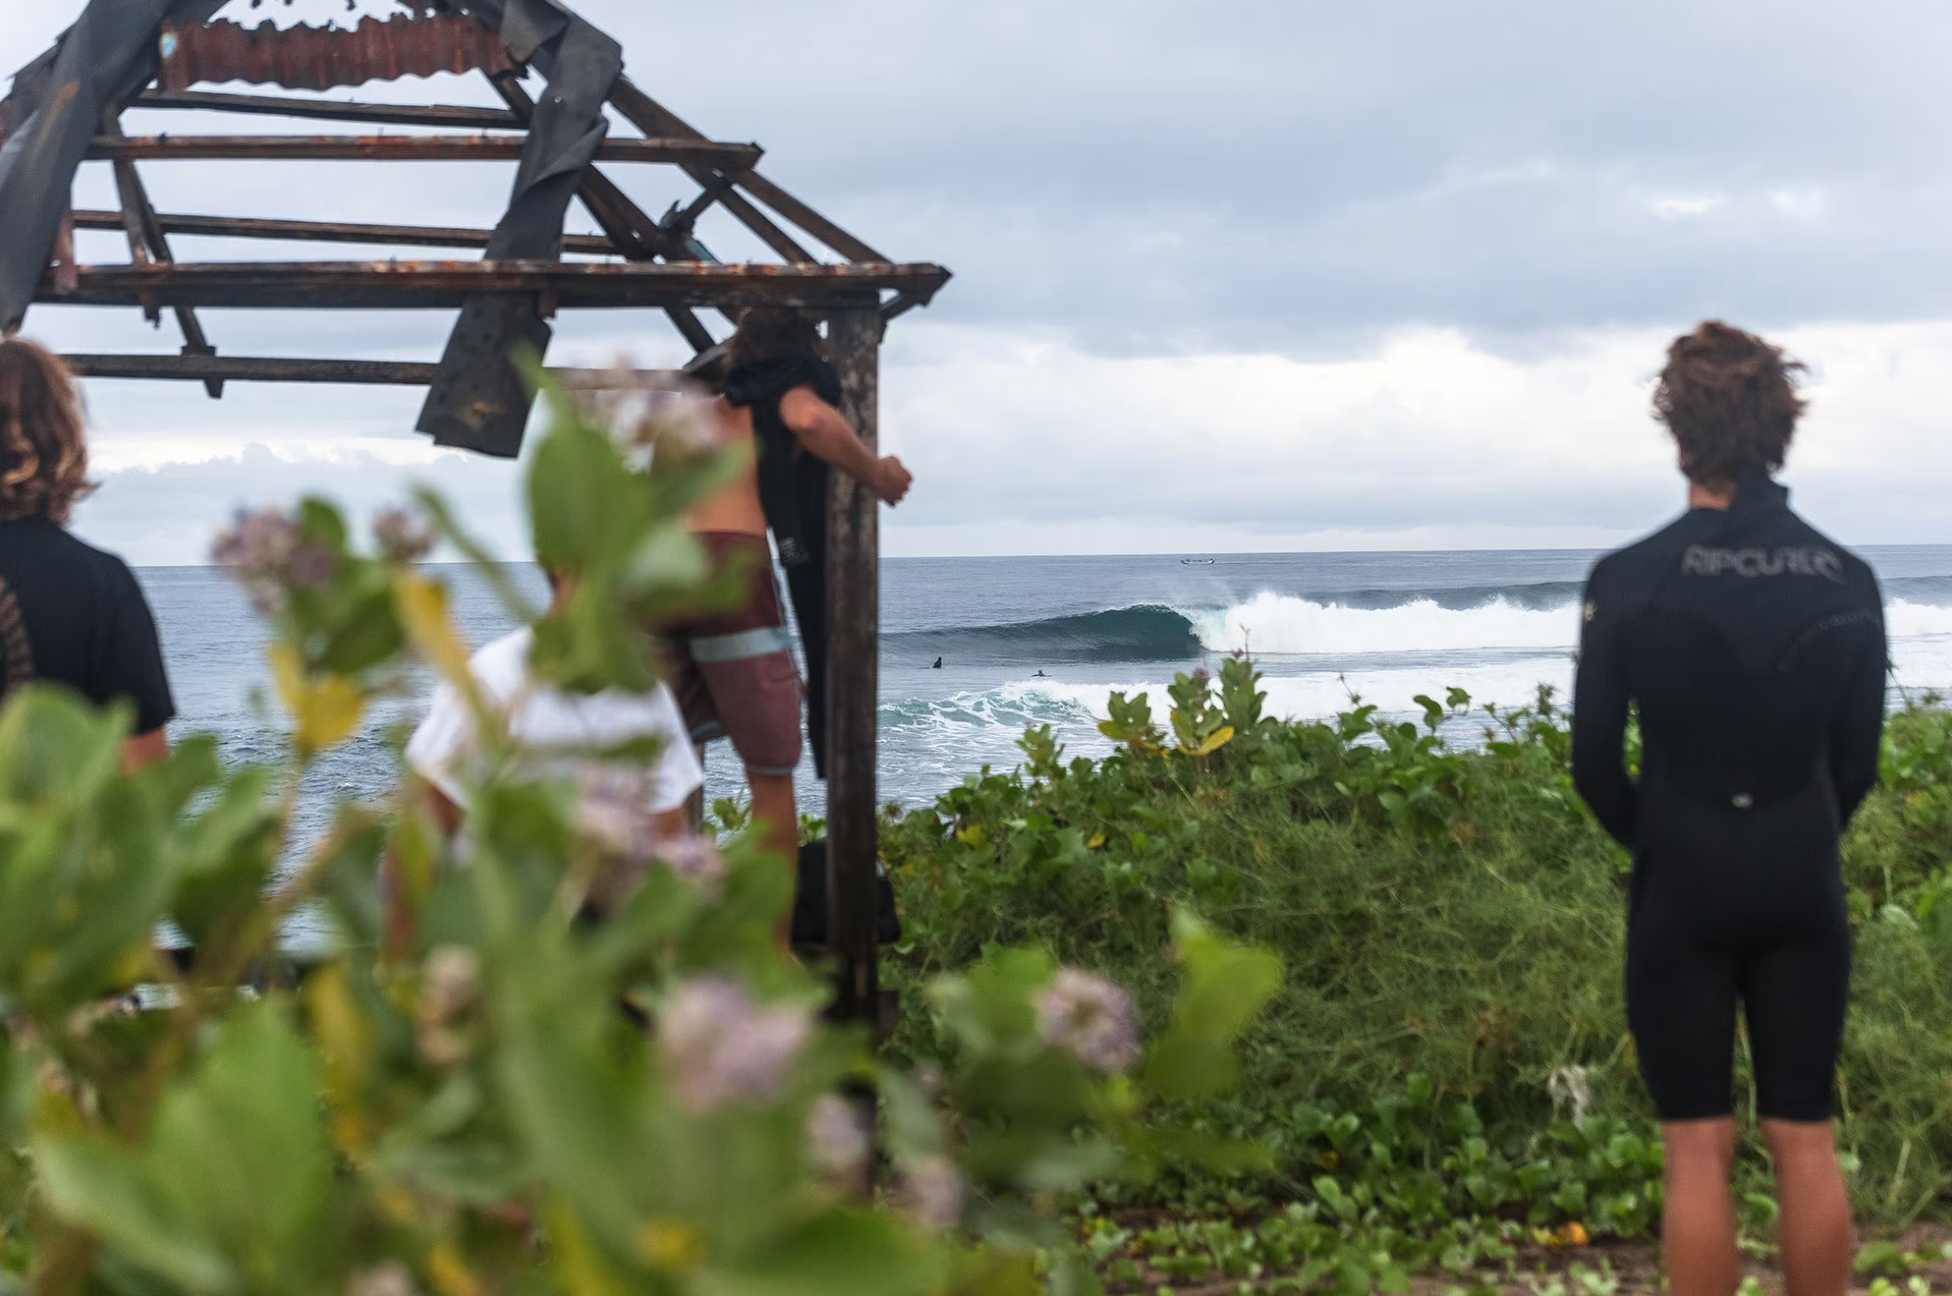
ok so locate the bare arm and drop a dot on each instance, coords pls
(825, 433)
(144, 750)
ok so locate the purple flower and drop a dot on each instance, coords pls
(613, 813)
(616, 819)
(1091, 1019)
(836, 1143)
(930, 1190)
(695, 859)
(389, 1279)
(258, 549)
(450, 985)
(720, 1047)
(402, 537)
(313, 565)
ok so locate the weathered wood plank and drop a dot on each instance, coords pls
(147, 244)
(400, 148)
(378, 285)
(330, 232)
(853, 671)
(651, 117)
(631, 230)
(392, 373)
(452, 117)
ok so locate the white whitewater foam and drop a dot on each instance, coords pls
(1284, 624)
(1904, 619)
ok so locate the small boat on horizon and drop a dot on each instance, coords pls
(1197, 562)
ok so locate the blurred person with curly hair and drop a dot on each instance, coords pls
(69, 613)
(1753, 648)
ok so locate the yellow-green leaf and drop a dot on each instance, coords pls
(422, 605)
(325, 709)
(1214, 742)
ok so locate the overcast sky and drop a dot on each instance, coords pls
(1297, 275)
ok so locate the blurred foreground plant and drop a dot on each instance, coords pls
(521, 1098)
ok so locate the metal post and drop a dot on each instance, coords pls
(853, 677)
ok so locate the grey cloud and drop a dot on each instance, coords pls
(1296, 176)
(166, 516)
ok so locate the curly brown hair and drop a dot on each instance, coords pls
(1730, 400)
(43, 442)
(771, 332)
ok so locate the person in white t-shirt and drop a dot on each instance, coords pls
(560, 735)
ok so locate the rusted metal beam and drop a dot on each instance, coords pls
(413, 148)
(322, 58)
(148, 244)
(361, 285)
(330, 232)
(653, 118)
(452, 117)
(389, 373)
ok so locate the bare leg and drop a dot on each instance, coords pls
(1814, 1231)
(1698, 1227)
(778, 815)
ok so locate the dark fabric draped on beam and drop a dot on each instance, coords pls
(479, 401)
(108, 55)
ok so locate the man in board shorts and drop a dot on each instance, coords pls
(734, 673)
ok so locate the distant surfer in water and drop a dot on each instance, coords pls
(1040, 675)
(938, 664)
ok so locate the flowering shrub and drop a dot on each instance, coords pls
(511, 1093)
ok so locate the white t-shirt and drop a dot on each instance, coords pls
(545, 719)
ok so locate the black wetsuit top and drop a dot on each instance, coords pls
(71, 614)
(1754, 650)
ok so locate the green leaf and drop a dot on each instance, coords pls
(842, 1253)
(234, 1187)
(94, 1184)
(586, 507)
(1225, 987)
(225, 855)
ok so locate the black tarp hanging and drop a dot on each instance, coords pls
(478, 401)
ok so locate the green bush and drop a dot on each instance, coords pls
(1452, 921)
(471, 1103)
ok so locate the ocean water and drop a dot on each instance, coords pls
(1027, 641)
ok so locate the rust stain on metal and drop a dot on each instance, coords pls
(313, 58)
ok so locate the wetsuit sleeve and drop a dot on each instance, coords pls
(1856, 739)
(130, 661)
(1599, 715)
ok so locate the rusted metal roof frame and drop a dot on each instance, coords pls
(477, 401)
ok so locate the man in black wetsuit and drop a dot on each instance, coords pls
(1754, 650)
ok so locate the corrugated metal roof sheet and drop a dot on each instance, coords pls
(315, 58)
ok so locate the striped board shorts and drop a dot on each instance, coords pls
(733, 672)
